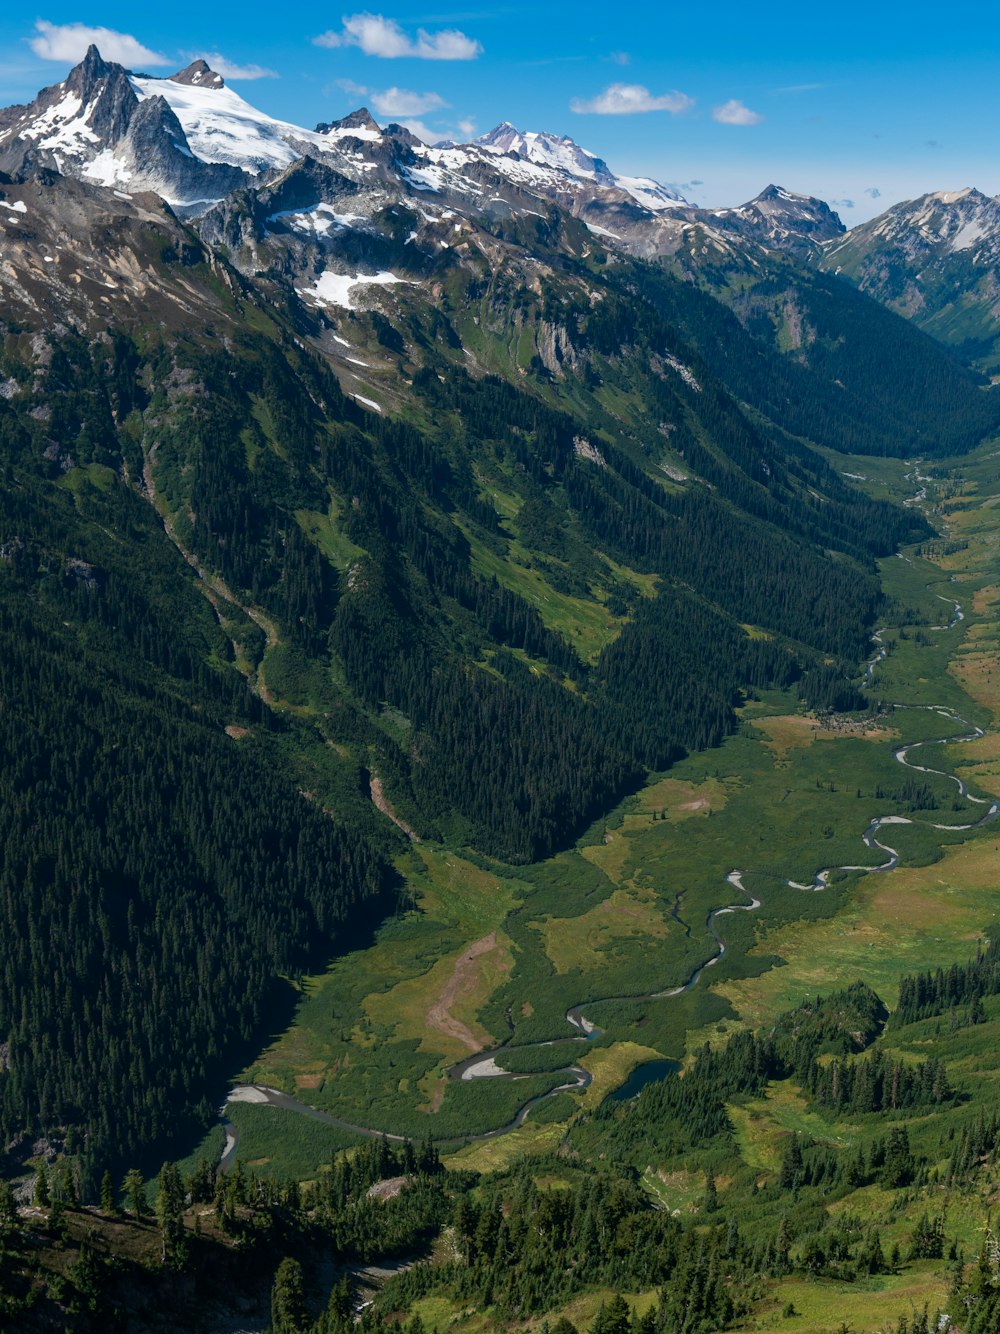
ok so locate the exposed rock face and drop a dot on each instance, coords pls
(782, 220)
(362, 119)
(198, 75)
(96, 127)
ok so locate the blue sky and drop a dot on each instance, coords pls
(861, 105)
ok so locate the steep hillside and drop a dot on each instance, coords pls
(933, 260)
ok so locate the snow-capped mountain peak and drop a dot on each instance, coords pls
(782, 219)
(561, 153)
(934, 226)
(361, 123)
(221, 127)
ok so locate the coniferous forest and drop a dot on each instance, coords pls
(281, 666)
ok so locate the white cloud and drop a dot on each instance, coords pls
(468, 127)
(734, 112)
(351, 88)
(68, 42)
(379, 36)
(399, 103)
(422, 131)
(229, 69)
(620, 58)
(626, 99)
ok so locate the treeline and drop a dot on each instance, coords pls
(681, 1115)
(924, 995)
(878, 1084)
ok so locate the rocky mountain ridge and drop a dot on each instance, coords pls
(935, 260)
(193, 140)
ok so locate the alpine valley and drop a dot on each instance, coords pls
(467, 623)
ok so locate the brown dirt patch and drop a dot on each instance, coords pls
(461, 983)
(235, 731)
(386, 1190)
(382, 802)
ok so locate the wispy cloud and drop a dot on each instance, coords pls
(407, 108)
(229, 69)
(873, 192)
(629, 99)
(351, 88)
(620, 58)
(394, 103)
(734, 112)
(400, 103)
(793, 88)
(376, 35)
(68, 42)
(842, 203)
(423, 132)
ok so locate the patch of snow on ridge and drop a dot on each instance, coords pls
(601, 231)
(334, 289)
(105, 169)
(318, 220)
(968, 234)
(362, 132)
(651, 194)
(18, 207)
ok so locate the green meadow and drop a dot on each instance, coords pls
(482, 955)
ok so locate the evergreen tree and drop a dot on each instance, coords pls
(288, 1306)
(42, 1196)
(109, 1200)
(134, 1188)
(169, 1214)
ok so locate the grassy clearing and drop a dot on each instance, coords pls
(585, 622)
(438, 1009)
(763, 1125)
(325, 531)
(584, 943)
(494, 1155)
(824, 1306)
(282, 1144)
(917, 917)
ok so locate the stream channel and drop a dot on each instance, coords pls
(488, 1064)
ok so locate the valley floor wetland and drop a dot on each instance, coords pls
(615, 920)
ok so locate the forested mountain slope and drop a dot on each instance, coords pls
(503, 534)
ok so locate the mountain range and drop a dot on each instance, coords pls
(359, 490)
(194, 142)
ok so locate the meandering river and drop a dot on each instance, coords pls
(488, 1064)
